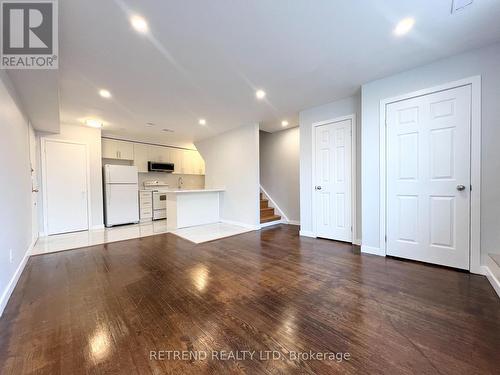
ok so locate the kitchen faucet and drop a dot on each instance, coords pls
(180, 182)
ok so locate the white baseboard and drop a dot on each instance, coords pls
(95, 227)
(15, 278)
(306, 233)
(271, 223)
(293, 222)
(244, 225)
(372, 250)
(495, 283)
(356, 242)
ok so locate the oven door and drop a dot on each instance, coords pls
(159, 205)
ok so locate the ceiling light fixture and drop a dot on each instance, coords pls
(150, 124)
(93, 123)
(284, 123)
(167, 130)
(260, 94)
(202, 121)
(105, 93)
(404, 26)
(139, 24)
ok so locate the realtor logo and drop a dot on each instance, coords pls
(29, 34)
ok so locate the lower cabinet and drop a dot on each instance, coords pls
(145, 205)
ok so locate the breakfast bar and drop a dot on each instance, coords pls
(188, 208)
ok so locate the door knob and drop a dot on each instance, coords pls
(317, 187)
(460, 187)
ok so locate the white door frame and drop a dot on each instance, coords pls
(475, 197)
(43, 141)
(355, 238)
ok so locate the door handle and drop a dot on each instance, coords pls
(460, 187)
(317, 188)
(34, 190)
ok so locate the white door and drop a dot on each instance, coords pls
(332, 181)
(34, 185)
(65, 169)
(428, 177)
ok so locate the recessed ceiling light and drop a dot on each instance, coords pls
(202, 121)
(284, 123)
(150, 124)
(167, 130)
(93, 123)
(260, 94)
(139, 24)
(404, 26)
(105, 93)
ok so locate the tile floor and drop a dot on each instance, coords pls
(198, 234)
(210, 232)
(75, 240)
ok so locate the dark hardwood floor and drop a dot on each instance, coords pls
(105, 309)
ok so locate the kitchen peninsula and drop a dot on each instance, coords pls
(190, 207)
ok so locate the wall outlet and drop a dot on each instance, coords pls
(11, 256)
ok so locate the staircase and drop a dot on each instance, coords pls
(267, 214)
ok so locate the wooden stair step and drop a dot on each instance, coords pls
(268, 219)
(267, 211)
(264, 203)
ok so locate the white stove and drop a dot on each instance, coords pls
(158, 189)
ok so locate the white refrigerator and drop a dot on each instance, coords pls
(121, 195)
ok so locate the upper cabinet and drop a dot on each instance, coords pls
(159, 154)
(141, 157)
(185, 161)
(113, 149)
(176, 158)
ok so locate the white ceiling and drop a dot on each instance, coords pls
(207, 58)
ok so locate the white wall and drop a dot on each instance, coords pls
(232, 161)
(484, 62)
(91, 137)
(340, 108)
(15, 189)
(279, 169)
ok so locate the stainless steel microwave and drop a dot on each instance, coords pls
(160, 167)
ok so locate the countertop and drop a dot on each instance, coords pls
(186, 191)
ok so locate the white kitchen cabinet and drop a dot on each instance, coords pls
(185, 161)
(199, 164)
(159, 154)
(145, 205)
(114, 149)
(141, 157)
(188, 162)
(176, 158)
(109, 149)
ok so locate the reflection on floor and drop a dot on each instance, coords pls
(75, 240)
(210, 232)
